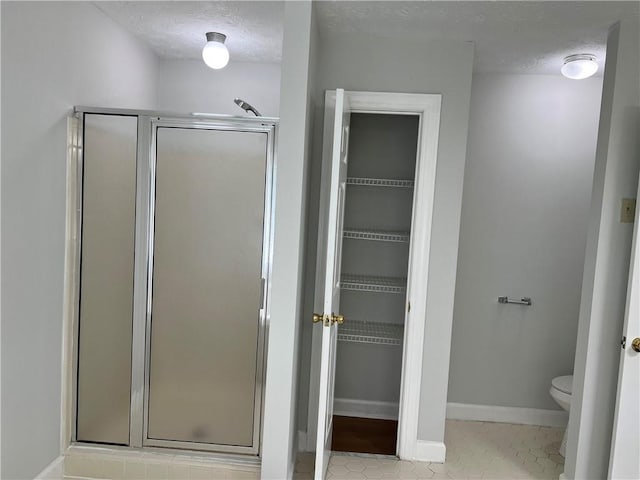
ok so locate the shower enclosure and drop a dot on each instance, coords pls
(171, 278)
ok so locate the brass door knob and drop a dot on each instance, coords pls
(328, 320)
(636, 344)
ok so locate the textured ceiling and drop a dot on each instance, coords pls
(176, 29)
(510, 36)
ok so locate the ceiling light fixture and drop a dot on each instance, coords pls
(579, 66)
(214, 53)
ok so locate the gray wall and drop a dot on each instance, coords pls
(362, 62)
(608, 252)
(525, 208)
(54, 56)
(191, 86)
(286, 295)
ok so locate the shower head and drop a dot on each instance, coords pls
(246, 107)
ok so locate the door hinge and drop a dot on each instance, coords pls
(409, 307)
(623, 343)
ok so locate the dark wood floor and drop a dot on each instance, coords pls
(364, 435)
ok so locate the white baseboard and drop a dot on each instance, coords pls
(302, 441)
(348, 407)
(53, 471)
(430, 451)
(492, 413)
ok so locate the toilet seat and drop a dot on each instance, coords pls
(560, 391)
(562, 398)
(564, 384)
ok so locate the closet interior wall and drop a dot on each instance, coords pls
(377, 227)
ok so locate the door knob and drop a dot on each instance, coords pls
(328, 320)
(636, 344)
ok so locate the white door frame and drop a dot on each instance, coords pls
(427, 107)
(623, 460)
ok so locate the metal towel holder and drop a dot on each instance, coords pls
(522, 301)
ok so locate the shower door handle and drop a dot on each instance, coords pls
(263, 292)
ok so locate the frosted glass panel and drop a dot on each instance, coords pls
(106, 282)
(210, 187)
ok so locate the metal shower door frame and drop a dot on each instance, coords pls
(148, 123)
(269, 130)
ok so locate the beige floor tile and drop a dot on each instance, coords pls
(73, 465)
(83, 466)
(338, 470)
(355, 465)
(491, 451)
(243, 475)
(178, 472)
(134, 470)
(373, 473)
(200, 472)
(339, 459)
(159, 471)
(348, 476)
(112, 468)
(539, 453)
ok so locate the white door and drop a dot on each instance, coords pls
(336, 134)
(625, 443)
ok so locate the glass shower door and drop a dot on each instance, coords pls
(207, 288)
(105, 287)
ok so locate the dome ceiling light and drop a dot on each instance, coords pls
(215, 53)
(579, 66)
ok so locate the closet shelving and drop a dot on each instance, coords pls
(381, 179)
(381, 333)
(376, 235)
(380, 182)
(370, 283)
(371, 332)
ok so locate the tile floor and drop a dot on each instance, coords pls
(474, 450)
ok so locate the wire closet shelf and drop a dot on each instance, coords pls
(370, 283)
(379, 333)
(380, 182)
(376, 235)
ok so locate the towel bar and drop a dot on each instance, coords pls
(522, 301)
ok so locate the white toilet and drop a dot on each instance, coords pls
(560, 391)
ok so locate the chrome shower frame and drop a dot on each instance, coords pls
(147, 125)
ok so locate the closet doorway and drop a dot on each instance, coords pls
(378, 178)
(375, 261)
